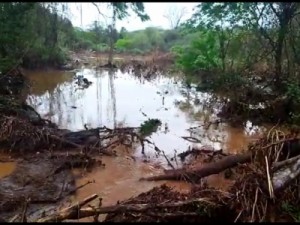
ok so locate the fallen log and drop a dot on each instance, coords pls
(278, 165)
(286, 171)
(195, 151)
(284, 176)
(204, 171)
(60, 196)
(191, 139)
(69, 213)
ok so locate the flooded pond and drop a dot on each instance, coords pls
(120, 99)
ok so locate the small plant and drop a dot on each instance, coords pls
(149, 126)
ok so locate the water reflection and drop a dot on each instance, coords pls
(115, 98)
(111, 87)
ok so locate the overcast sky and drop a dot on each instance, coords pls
(156, 11)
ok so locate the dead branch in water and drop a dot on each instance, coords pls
(105, 152)
(191, 139)
(283, 176)
(195, 151)
(280, 142)
(17, 132)
(24, 219)
(206, 170)
(70, 212)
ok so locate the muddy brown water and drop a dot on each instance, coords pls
(120, 99)
(6, 168)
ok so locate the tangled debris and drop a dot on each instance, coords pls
(40, 182)
(255, 196)
(46, 155)
(266, 177)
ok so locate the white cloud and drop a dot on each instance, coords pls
(154, 10)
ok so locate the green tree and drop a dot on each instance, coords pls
(120, 11)
(271, 21)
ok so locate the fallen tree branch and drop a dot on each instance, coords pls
(168, 161)
(60, 196)
(195, 151)
(278, 165)
(24, 218)
(205, 170)
(191, 139)
(87, 212)
(279, 142)
(283, 177)
(70, 212)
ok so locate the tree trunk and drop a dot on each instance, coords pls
(287, 171)
(69, 212)
(284, 17)
(204, 171)
(111, 49)
(111, 39)
(222, 50)
(278, 56)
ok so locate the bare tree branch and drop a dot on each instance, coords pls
(175, 15)
(103, 15)
(274, 10)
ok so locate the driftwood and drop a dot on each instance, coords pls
(195, 151)
(70, 212)
(75, 212)
(283, 176)
(206, 170)
(94, 138)
(284, 172)
(281, 164)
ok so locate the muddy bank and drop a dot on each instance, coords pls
(39, 183)
(43, 175)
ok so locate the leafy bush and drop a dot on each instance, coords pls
(124, 44)
(149, 126)
(100, 48)
(201, 54)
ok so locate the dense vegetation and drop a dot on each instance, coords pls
(137, 42)
(39, 34)
(250, 51)
(32, 34)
